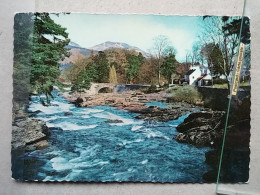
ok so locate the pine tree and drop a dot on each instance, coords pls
(49, 41)
(133, 65)
(102, 67)
(85, 77)
(168, 66)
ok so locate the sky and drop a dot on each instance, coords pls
(89, 30)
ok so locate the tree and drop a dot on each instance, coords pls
(147, 72)
(49, 41)
(160, 44)
(223, 32)
(84, 78)
(195, 54)
(133, 65)
(112, 75)
(168, 67)
(38, 47)
(102, 67)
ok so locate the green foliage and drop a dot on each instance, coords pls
(233, 27)
(96, 71)
(220, 81)
(49, 41)
(186, 93)
(102, 67)
(84, 78)
(216, 60)
(168, 66)
(134, 64)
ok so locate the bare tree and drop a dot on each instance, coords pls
(214, 33)
(160, 44)
(195, 55)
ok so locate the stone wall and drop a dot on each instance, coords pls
(217, 98)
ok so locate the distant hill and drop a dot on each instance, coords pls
(73, 44)
(109, 44)
(76, 51)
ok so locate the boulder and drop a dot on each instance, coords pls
(78, 101)
(27, 132)
(201, 128)
(68, 113)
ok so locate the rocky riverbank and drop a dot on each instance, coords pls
(201, 128)
(29, 134)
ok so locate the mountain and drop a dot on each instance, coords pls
(109, 44)
(76, 51)
(73, 44)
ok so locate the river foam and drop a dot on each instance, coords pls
(85, 147)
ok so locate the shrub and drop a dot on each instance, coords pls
(186, 93)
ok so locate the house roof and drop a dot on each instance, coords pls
(198, 79)
(207, 77)
(190, 72)
(204, 77)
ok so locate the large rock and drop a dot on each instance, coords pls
(201, 128)
(27, 132)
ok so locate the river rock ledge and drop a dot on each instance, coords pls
(161, 114)
(29, 134)
(201, 128)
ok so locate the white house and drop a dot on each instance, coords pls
(192, 75)
(198, 75)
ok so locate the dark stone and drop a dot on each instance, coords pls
(114, 121)
(78, 101)
(201, 128)
(68, 113)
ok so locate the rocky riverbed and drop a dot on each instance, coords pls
(130, 100)
(135, 101)
(29, 134)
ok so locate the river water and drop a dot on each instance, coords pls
(84, 147)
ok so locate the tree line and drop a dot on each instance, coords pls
(122, 66)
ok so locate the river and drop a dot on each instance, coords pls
(84, 147)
